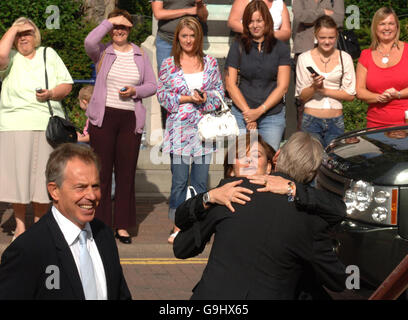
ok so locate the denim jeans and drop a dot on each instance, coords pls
(269, 127)
(180, 167)
(325, 129)
(163, 51)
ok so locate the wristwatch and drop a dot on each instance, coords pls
(206, 198)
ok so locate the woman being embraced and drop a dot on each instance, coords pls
(188, 81)
(323, 87)
(382, 78)
(263, 63)
(249, 157)
(24, 117)
(117, 116)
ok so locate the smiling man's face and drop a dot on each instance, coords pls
(79, 194)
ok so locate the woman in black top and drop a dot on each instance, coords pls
(263, 64)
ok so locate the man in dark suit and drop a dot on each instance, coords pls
(67, 254)
(262, 250)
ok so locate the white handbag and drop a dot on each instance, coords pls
(191, 192)
(218, 124)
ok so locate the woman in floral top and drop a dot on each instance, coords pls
(182, 77)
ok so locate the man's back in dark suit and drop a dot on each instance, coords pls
(260, 250)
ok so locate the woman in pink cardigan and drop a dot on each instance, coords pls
(117, 116)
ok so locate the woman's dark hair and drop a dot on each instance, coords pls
(246, 140)
(324, 22)
(246, 38)
(120, 12)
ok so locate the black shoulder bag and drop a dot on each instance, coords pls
(348, 41)
(59, 130)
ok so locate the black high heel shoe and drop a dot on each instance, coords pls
(123, 239)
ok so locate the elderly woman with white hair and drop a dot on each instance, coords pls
(24, 116)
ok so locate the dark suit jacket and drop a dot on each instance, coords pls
(260, 251)
(24, 263)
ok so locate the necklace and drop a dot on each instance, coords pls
(324, 62)
(385, 56)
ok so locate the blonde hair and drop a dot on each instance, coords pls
(86, 93)
(300, 157)
(195, 26)
(379, 16)
(37, 35)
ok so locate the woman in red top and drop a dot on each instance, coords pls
(382, 77)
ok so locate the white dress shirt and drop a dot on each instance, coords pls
(71, 233)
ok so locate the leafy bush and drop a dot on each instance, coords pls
(354, 115)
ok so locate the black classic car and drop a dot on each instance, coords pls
(369, 169)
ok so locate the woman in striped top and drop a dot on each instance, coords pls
(117, 116)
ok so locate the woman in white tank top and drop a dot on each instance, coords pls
(278, 10)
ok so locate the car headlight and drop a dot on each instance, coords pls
(374, 204)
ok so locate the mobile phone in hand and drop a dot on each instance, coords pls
(200, 93)
(123, 89)
(312, 71)
(38, 90)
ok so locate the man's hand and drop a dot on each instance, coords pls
(228, 193)
(274, 184)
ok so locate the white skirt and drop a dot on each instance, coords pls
(23, 159)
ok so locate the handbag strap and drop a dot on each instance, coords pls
(46, 87)
(46, 81)
(342, 69)
(224, 106)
